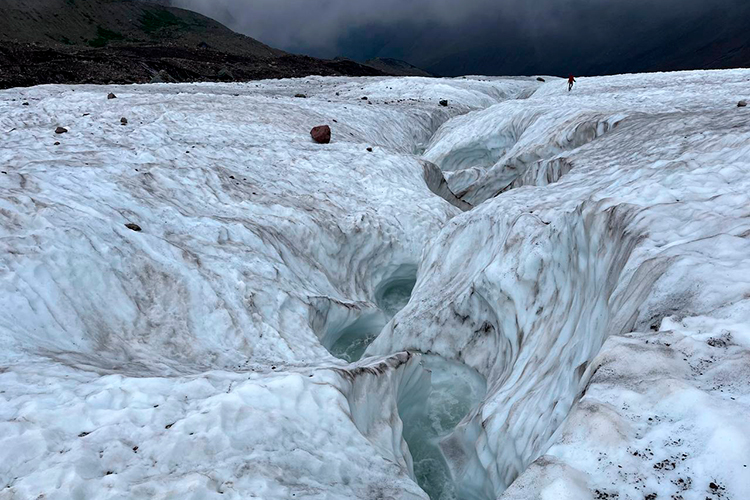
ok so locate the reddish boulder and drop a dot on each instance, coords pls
(321, 134)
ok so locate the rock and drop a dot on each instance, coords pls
(60, 130)
(225, 75)
(133, 227)
(364, 98)
(25, 104)
(111, 96)
(123, 121)
(163, 77)
(444, 102)
(57, 143)
(203, 45)
(321, 134)
(742, 104)
(369, 150)
(300, 96)
(540, 79)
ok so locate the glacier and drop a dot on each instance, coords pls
(526, 294)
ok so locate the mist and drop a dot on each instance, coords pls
(493, 37)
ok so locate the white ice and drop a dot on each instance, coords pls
(584, 304)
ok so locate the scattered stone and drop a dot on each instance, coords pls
(540, 79)
(57, 143)
(444, 102)
(369, 149)
(135, 449)
(25, 104)
(133, 227)
(123, 121)
(364, 99)
(742, 104)
(300, 96)
(60, 130)
(111, 96)
(321, 134)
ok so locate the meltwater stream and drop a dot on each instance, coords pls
(391, 296)
(456, 389)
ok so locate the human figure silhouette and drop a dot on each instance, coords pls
(571, 81)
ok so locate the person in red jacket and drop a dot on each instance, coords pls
(571, 81)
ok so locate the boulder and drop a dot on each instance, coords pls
(540, 79)
(60, 130)
(162, 77)
(742, 104)
(300, 96)
(444, 102)
(111, 96)
(225, 75)
(321, 134)
(133, 227)
(123, 121)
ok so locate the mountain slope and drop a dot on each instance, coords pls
(129, 41)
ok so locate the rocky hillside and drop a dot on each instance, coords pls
(132, 41)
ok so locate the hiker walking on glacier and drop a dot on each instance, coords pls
(571, 81)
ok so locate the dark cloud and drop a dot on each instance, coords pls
(487, 36)
(317, 26)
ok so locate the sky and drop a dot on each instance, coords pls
(493, 36)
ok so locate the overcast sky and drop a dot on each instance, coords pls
(440, 32)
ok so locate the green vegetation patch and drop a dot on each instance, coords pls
(104, 36)
(158, 20)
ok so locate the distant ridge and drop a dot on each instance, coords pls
(396, 67)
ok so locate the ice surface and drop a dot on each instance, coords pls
(581, 311)
(190, 359)
(648, 221)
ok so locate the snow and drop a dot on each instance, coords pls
(577, 328)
